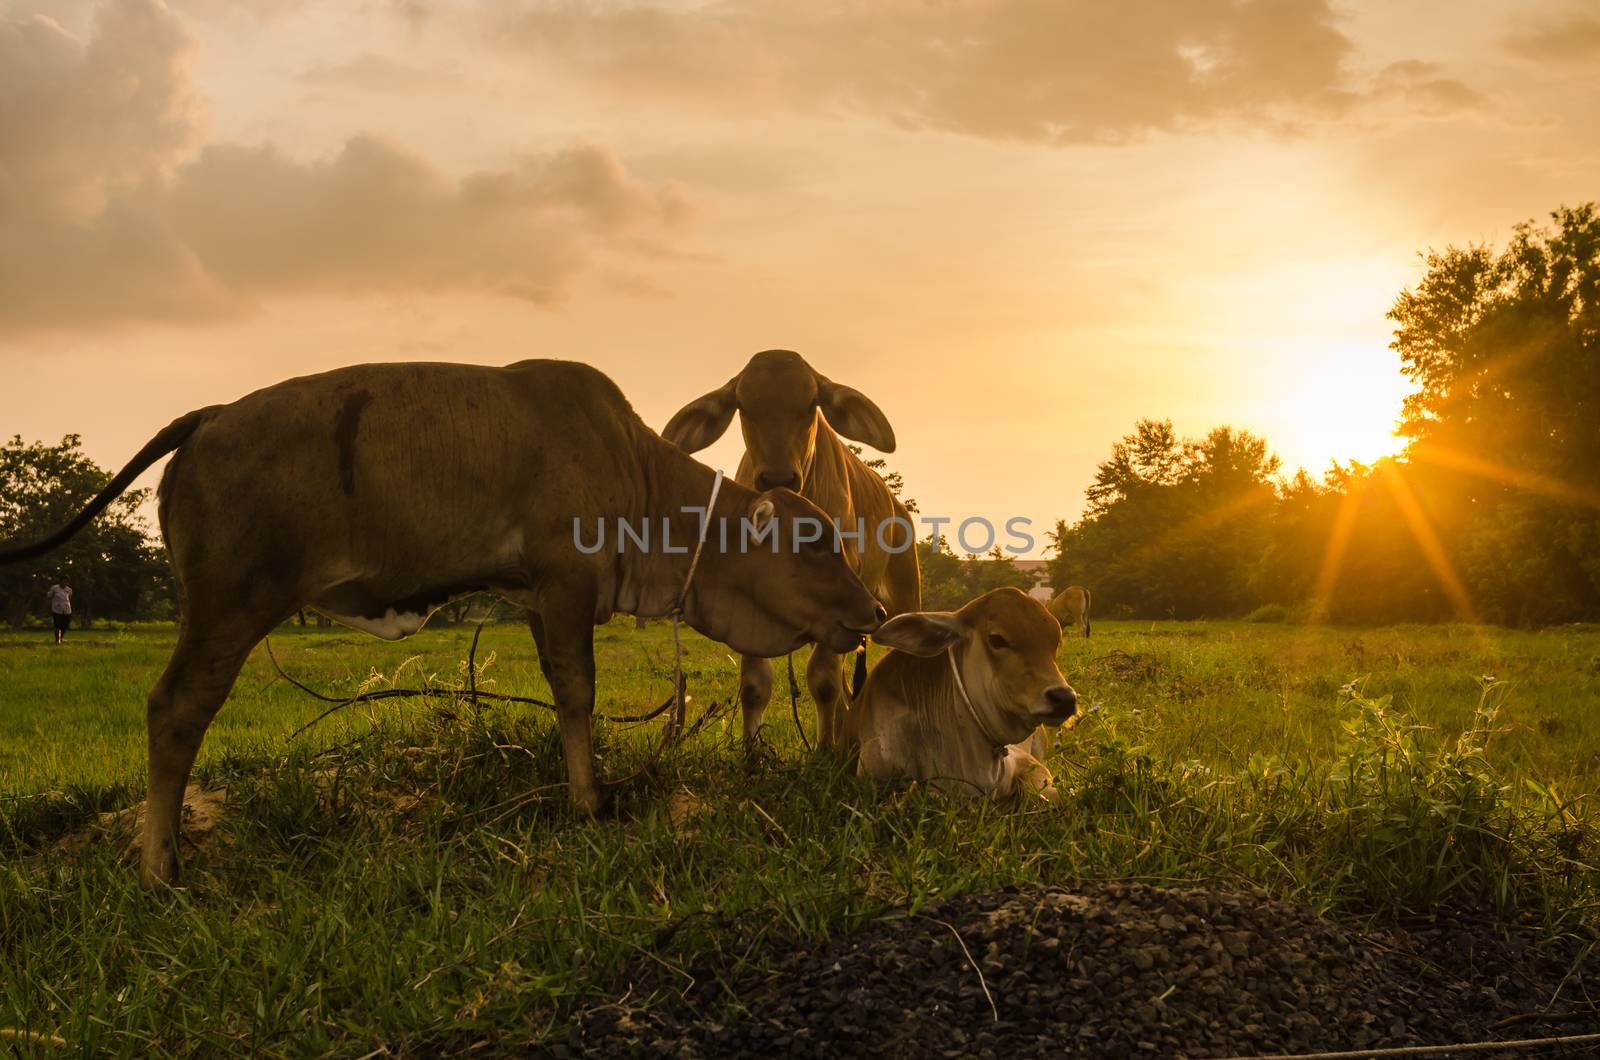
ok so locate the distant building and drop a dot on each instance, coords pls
(1039, 569)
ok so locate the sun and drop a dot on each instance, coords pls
(1341, 411)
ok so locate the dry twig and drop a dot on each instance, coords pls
(962, 943)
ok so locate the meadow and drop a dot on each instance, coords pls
(404, 875)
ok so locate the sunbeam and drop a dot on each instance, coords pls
(1428, 541)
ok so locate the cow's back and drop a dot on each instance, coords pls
(388, 466)
(1069, 606)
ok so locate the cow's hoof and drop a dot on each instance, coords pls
(759, 754)
(158, 874)
(609, 802)
(595, 802)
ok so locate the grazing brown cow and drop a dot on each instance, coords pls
(378, 492)
(792, 419)
(1071, 608)
(956, 702)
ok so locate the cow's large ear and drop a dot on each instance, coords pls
(761, 514)
(703, 420)
(924, 633)
(852, 414)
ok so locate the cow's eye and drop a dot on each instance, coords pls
(997, 642)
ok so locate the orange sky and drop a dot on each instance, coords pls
(1019, 225)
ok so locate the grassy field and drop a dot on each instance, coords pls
(404, 876)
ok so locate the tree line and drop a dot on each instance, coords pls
(1491, 512)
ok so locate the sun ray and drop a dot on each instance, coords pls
(1198, 524)
(1428, 541)
(1344, 522)
(1505, 475)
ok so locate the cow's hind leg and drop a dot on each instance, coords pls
(190, 692)
(825, 678)
(755, 690)
(566, 655)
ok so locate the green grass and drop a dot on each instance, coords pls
(1216, 692)
(406, 875)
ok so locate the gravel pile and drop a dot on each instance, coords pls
(1119, 970)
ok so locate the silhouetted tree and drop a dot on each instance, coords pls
(1505, 423)
(1172, 527)
(116, 571)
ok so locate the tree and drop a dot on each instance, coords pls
(892, 479)
(1148, 458)
(116, 572)
(1505, 423)
(1173, 527)
(948, 580)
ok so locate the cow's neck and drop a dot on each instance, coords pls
(984, 724)
(652, 580)
(827, 479)
(955, 746)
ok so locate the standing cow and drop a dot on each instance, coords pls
(792, 418)
(377, 493)
(1071, 608)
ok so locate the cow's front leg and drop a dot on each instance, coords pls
(1039, 743)
(824, 676)
(755, 690)
(565, 640)
(1031, 776)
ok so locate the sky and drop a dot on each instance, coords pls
(1018, 225)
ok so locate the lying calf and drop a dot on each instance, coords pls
(955, 701)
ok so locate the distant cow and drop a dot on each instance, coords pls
(1071, 608)
(962, 693)
(378, 492)
(789, 415)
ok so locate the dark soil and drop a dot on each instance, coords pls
(1119, 970)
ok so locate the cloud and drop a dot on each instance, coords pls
(1420, 86)
(1571, 37)
(110, 208)
(83, 123)
(377, 217)
(221, 10)
(414, 13)
(1052, 71)
(374, 73)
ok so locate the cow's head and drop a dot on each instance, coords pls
(778, 397)
(1006, 644)
(772, 577)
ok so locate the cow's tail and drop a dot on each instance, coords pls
(176, 433)
(1086, 614)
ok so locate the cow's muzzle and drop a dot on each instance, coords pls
(771, 480)
(848, 636)
(1060, 703)
(879, 617)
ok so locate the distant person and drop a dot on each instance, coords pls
(60, 596)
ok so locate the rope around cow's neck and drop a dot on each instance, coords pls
(997, 746)
(699, 546)
(679, 700)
